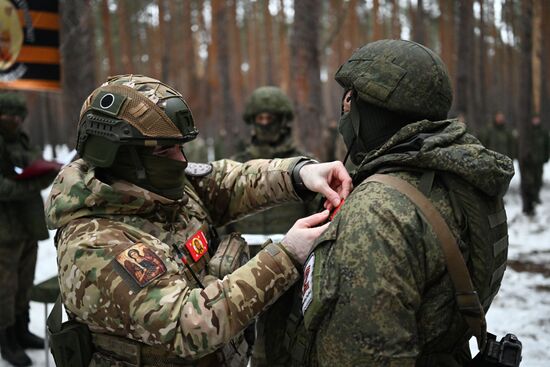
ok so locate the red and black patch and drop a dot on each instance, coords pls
(197, 245)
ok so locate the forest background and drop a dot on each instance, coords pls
(216, 52)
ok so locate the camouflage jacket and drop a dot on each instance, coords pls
(376, 291)
(155, 300)
(500, 138)
(21, 205)
(280, 218)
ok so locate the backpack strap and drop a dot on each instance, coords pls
(465, 295)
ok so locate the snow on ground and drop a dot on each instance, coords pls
(522, 307)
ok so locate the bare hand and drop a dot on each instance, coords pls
(300, 238)
(329, 179)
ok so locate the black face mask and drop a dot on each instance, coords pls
(345, 127)
(163, 176)
(356, 150)
(271, 133)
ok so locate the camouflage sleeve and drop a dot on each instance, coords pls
(378, 279)
(235, 189)
(190, 322)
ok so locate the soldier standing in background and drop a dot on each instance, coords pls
(532, 183)
(269, 112)
(21, 226)
(135, 238)
(542, 151)
(500, 137)
(376, 288)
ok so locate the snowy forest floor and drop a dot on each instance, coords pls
(522, 306)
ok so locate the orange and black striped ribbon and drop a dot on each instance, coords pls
(39, 56)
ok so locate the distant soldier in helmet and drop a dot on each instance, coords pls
(139, 262)
(269, 113)
(21, 226)
(376, 290)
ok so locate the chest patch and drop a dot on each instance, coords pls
(141, 263)
(307, 286)
(197, 245)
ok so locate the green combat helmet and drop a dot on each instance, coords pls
(271, 100)
(399, 76)
(394, 83)
(12, 104)
(131, 110)
(268, 99)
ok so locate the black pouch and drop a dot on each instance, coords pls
(70, 342)
(503, 353)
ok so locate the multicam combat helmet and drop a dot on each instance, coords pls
(399, 76)
(268, 99)
(132, 110)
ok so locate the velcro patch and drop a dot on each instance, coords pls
(198, 169)
(141, 263)
(197, 245)
(307, 286)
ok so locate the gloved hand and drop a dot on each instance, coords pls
(300, 238)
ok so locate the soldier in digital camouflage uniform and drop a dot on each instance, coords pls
(132, 206)
(376, 288)
(269, 112)
(21, 226)
(531, 182)
(500, 137)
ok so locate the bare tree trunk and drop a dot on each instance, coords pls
(77, 60)
(526, 155)
(479, 88)
(107, 36)
(419, 27)
(305, 70)
(227, 113)
(267, 49)
(236, 74)
(165, 41)
(284, 55)
(465, 59)
(536, 56)
(545, 69)
(395, 22)
(377, 26)
(447, 33)
(124, 31)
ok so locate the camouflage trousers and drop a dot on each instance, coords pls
(17, 263)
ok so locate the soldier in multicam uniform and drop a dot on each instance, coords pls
(21, 226)
(269, 111)
(133, 199)
(376, 291)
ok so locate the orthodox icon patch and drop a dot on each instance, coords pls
(141, 263)
(197, 245)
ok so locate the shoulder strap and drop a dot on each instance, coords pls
(465, 295)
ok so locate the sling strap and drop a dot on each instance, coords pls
(465, 295)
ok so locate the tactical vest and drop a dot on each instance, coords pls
(483, 227)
